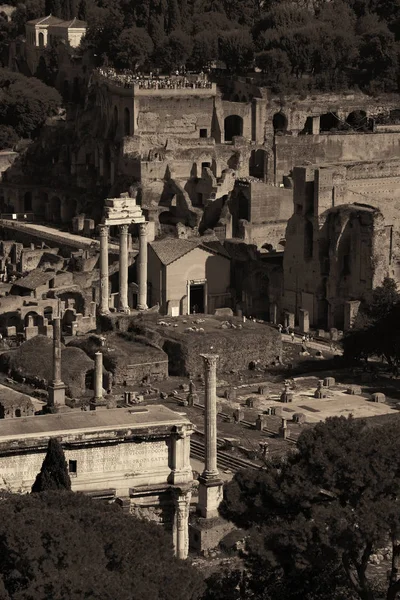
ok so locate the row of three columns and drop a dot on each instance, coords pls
(123, 268)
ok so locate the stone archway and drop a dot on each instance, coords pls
(233, 126)
(280, 122)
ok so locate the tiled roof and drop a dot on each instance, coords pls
(35, 279)
(73, 24)
(49, 20)
(171, 249)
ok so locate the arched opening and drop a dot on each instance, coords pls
(257, 163)
(280, 122)
(73, 301)
(18, 412)
(41, 40)
(34, 320)
(66, 90)
(48, 313)
(67, 320)
(55, 209)
(27, 201)
(308, 240)
(328, 121)
(127, 122)
(115, 121)
(358, 120)
(308, 127)
(233, 127)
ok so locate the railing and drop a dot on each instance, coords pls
(28, 216)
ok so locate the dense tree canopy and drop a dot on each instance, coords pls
(315, 520)
(376, 331)
(25, 103)
(64, 545)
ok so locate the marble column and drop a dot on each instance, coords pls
(181, 523)
(56, 389)
(104, 282)
(210, 484)
(123, 268)
(98, 378)
(181, 468)
(142, 299)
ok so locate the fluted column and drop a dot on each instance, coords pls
(123, 268)
(98, 377)
(104, 283)
(210, 415)
(142, 300)
(57, 350)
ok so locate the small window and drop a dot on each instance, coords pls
(205, 165)
(17, 412)
(203, 133)
(72, 468)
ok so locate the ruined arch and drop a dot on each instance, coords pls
(357, 120)
(233, 126)
(127, 121)
(36, 318)
(280, 122)
(328, 121)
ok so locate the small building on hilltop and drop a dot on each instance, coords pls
(14, 404)
(188, 276)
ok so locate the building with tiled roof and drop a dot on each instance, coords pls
(188, 276)
(42, 32)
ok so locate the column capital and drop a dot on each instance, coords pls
(143, 228)
(103, 230)
(210, 360)
(124, 229)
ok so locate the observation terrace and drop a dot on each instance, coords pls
(126, 83)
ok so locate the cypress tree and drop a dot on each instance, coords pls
(82, 10)
(54, 472)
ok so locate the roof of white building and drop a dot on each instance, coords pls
(52, 21)
(91, 422)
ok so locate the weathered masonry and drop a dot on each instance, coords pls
(140, 457)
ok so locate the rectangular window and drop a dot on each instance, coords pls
(203, 133)
(72, 468)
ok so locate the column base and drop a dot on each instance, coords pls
(142, 307)
(210, 497)
(125, 309)
(104, 311)
(56, 394)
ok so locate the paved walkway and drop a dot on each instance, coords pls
(324, 347)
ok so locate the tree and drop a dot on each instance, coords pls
(25, 102)
(326, 509)
(174, 52)
(275, 64)
(237, 50)
(133, 48)
(8, 137)
(82, 10)
(205, 50)
(54, 472)
(65, 545)
(54, 7)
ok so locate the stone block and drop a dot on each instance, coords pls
(11, 331)
(304, 320)
(230, 394)
(261, 422)
(223, 312)
(354, 390)
(262, 389)
(378, 397)
(334, 334)
(238, 415)
(329, 381)
(299, 418)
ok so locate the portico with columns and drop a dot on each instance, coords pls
(123, 212)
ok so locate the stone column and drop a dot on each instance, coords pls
(57, 350)
(56, 389)
(104, 283)
(181, 523)
(181, 469)
(142, 299)
(98, 378)
(123, 268)
(210, 488)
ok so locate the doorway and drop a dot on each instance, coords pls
(197, 298)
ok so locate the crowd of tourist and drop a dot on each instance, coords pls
(128, 79)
